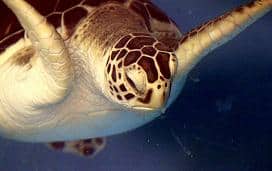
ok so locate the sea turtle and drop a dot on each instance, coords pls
(75, 70)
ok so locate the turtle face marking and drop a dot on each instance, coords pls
(139, 71)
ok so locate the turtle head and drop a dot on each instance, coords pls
(139, 72)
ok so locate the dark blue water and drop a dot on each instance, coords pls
(221, 121)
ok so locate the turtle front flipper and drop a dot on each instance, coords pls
(46, 72)
(85, 148)
(204, 39)
(35, 72)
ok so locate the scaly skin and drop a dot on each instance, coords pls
(51, 53)
(207, 37)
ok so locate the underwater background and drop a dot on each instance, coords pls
(222, 121)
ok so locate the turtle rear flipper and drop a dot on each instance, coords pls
(85, 148)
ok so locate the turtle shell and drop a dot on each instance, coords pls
(66, 14)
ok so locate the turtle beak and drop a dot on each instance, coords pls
(158, 99)
(154, 99)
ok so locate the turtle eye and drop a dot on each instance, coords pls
(136, 79)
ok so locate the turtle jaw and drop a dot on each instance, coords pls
(153, 100)
(156, 106)
(160, 109)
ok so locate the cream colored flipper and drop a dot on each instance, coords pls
(37, 68)
(204, 39)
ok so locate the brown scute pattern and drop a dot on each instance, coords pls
(108, 60)
(120, 64)
(151, 56)
(109, 68)
(139, 42)
(10, 24)
(54, 19)
(8, 27)
(74, 15)
(163, 47)
(147, 98)
(140, 9)
(8, 19)
(113, 54)
(172, 42)
(129, 96)
(123, 41)
(71, 14)
(113, 74)
(149, 66)
(122, 54)
(162, 78)
(153, 18)
(141, 34)
(149, 51)
(132, 57)
(163, 62)
(115, 89)
(44, 7)
(64, 4)
(99, 2)
(156, 13)
(119, 97)
(5, 44)
(123, 88)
